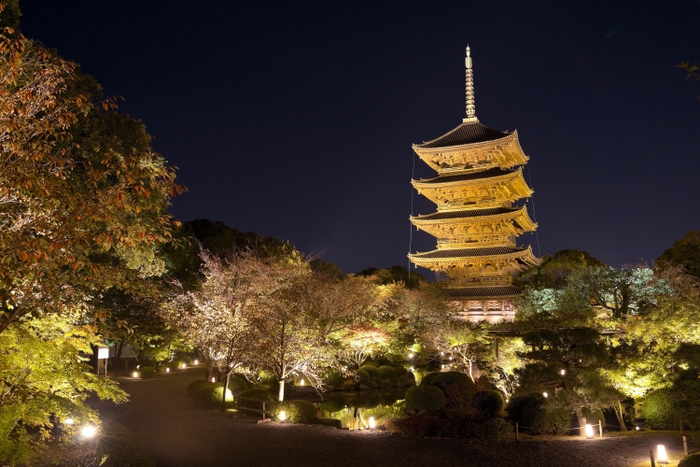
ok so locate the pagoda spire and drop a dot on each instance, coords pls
(471, 107)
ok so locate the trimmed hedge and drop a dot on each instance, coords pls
(364, 377)
(384, 361)
(296, 411)
(425, 398)
(370, 362)
(119, 447)
(255, 393)
(659, 411)
(387, 373)
(400, 369)
(191, 387)
(371, 370)
(691, 460)
(431, 425)
(210, 394)
(428, 379)
(488, 402)
(147, 372)
(237, 384)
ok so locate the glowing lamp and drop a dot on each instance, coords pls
(135, 374)
(167, 370)
(372, 423)
(661, 455)
(450, 358)
(184, 366)
(88, 431)
(563, 372)
(301, 382)
(69, 421)
(589, 431)
(637, 428)
(442, 353)
(545, 395)
(282, 416)
(213, 380)
(196, 362)
(410, 355)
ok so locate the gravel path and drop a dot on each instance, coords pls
(181, 434)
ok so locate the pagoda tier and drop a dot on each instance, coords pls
(472, 147)
(479, 178)
(476, 227)
(492, 187)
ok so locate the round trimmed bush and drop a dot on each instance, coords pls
(371, 370)
(658, 410)
(691, 460)
(370, 362)
(210, 394)
(333, 377)
(488, 402)
(364, 377)
(448, 378)
(191, 387)
(296, 411)
(147, 372)
(428, 379)
(257, 393)
(516, 406)
(387, 373)
(237, 384)
(400, 369)
(384, 361)
(546, 419)
(425, 398)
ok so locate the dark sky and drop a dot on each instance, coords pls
(296, 119)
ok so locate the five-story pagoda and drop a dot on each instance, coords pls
(480, 177)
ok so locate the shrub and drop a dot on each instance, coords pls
(371, 370)
(384, 361)
(364, 377)
(333, 377)
(488, 402)
(516, 406)
(492, 428)
(237, 384)
(370, 362)
(658, 410)
(691, 460)
(254, 393)
(400, 369)
(546, 419)
(428, 379)
(387, 373)
(119, 447)
(191, 387)
(458, 389)
(296, 411)
(147, 372)
(428, 425)
(425, 398)
(210, 394)
(333, 404)
(443, 380)
(592, 416)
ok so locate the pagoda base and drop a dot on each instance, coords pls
(490, 304)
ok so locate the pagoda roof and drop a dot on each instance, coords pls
(466, 133)
(468, 252)
(484, 174)
(484, 292)
(468, 213)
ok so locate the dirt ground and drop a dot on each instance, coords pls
(181, 434)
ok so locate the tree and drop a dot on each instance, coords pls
(218, 317)
(464, 343)
(685, 253)
(691, 71)
(553, 271)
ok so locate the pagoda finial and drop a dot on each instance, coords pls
(471, 107)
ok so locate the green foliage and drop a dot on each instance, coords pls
(371, 370)
(492, 428)
(691, 460)
(454, 380)
(685, 253)
(238, 384)
(254, 393)
(364, 377)
(387, 373)
(489, 402)
(326, 268)
(296, 411)
(333, 377)
(119, 447)
(147, 372)
(210, 394)
(431, 425)
(381, 361)
(553, 271)
(659, 411)
(370, 362)
(395, 274)
(193, 385)
(516, 406)
(425, 398)
(538, 415)
(428, 379)
(400, 369)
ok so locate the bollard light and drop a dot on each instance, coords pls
(213, 379)
(372, 423)
(88, 431)
(282, 416)
(563, 372)
(589, 431)
(661, 455)
(135, 374)
(184, 366)
(545, 395)
(196, 362)
(167, 370)
(301, 382)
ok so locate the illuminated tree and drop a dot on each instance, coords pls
(685, 253)
(464, 343)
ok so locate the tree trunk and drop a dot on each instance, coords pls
(620, 416)
(207, 363)
(581, 422)
(223, 397)
(281, 394)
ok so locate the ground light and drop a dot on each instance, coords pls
(184, 365)
(282, 416)
(213, 380)
(589, 431)
(661, 455)
(196, 362)
(301, 382)
(545, 395)
(135, 374)
(372, 423)
(167, 370)
(563, 372)
(88, 431)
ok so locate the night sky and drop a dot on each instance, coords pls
(296, 119)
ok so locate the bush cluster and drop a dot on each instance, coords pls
(425, 398)
(538, 415)
(691, 460)
(659, 411)
(119, 447)
(210, 394)
(147, 372)
(296, 411)
(432, 425)
(371, 374)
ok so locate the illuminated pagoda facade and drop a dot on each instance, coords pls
(480, 178)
